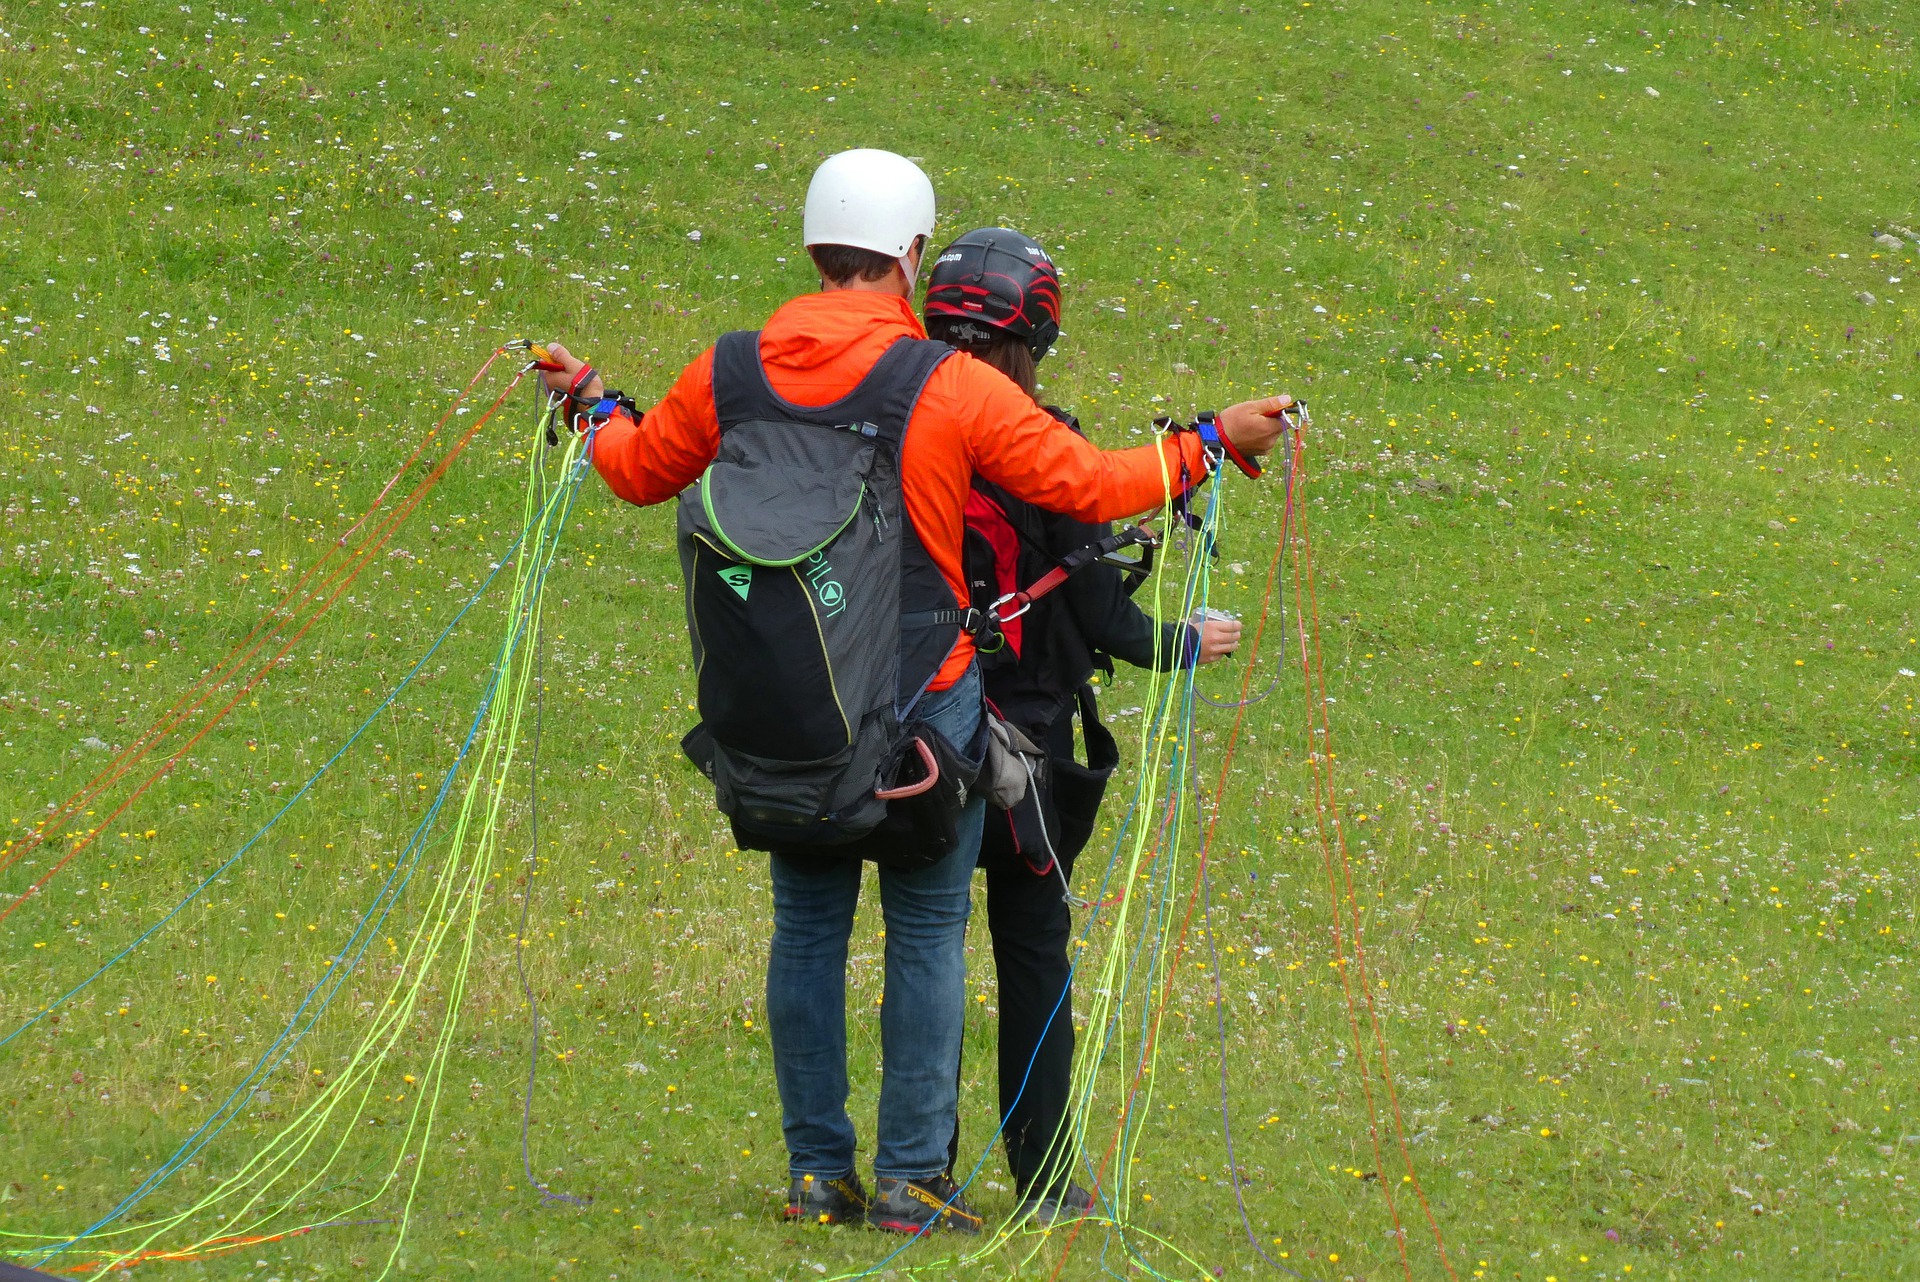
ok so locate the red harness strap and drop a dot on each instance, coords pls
(1078, 559)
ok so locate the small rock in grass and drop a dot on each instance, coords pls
(1888, 241)
(1866, 298)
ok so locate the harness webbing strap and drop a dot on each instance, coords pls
(985, 624)
(1072, 562)
(970, 620)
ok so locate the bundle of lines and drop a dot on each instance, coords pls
(226, 685)
(1155, 888)
(436, 885)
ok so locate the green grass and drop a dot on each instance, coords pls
(1616, 553)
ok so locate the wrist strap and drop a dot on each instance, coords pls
(580, 380)
(1209, 429)
(602, 410)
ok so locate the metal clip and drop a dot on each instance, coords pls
(542, 359)
(1026, 604)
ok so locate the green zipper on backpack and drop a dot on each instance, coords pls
(706, 504)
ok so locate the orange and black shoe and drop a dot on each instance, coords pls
(815, 1199)
(916, 1206)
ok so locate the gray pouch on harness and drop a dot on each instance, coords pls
(1016, 778)
(1015, 765)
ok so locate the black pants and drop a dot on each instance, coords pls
(1032, 929)
(1031, 925)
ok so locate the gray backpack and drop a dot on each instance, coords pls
(818, 620)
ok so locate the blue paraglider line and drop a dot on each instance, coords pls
(391, 888)
(292, 801)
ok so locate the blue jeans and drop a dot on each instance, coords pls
(925, 997)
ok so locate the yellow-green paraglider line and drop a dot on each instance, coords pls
(455, 901)
(1116, 969)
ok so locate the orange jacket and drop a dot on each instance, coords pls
(970, 418)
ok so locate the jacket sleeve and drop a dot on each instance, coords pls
(652, 460)
(1109, 618)
(1033, 456)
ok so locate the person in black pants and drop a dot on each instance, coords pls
(995, 294)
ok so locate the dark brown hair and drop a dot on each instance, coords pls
(839, 264)
(1010, 355)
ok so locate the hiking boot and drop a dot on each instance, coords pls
(1055, 1206)
(814, 1199)
(910, 1206)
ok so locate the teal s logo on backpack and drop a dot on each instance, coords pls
(826, 589)
(737, 577)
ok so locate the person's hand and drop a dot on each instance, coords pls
(1218, 639)
(559, 381)
(1254, 427)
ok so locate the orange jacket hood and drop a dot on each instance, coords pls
(817, 347)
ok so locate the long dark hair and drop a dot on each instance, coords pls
(1010, 355)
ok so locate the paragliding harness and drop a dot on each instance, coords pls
(812, 609)
(1054, 818)
(997, 623)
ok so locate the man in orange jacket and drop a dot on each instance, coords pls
(869, 215)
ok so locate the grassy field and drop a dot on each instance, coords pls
(1614, 389)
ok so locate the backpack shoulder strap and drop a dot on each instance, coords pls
(898, 378)
(740, 387)
(885, 397)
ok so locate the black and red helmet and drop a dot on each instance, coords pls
(1001, 280)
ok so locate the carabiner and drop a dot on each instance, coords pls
(928, 763)
(1026, 603)
(542, 358)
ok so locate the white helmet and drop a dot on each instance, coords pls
(868, 199)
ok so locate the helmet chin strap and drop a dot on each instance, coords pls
(968, 333)
(910, 264)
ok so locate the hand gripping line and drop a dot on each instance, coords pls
(252, 1197)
